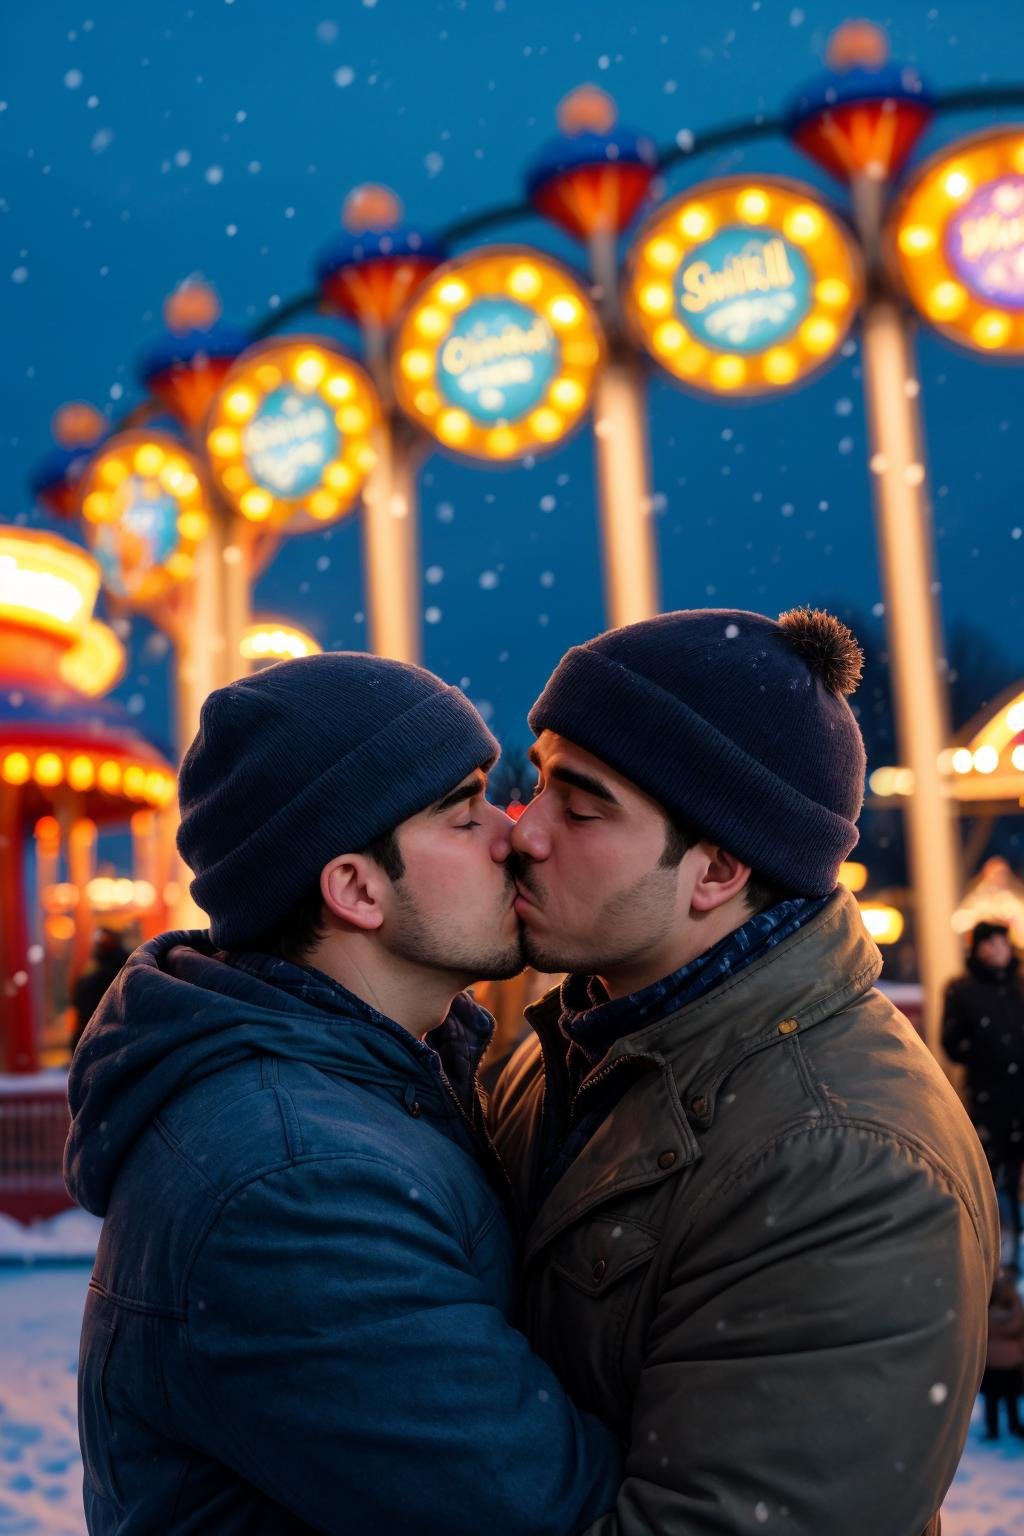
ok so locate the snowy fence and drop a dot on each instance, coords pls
(34, 1123)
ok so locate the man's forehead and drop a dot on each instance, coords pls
(550, 748)
(473, 783)
(552, 753)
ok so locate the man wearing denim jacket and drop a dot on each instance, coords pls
(300, 1318)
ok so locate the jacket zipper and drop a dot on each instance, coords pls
(480, 1133)
(594, 1078)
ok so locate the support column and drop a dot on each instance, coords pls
(905, 541)
(201, 646)
(237, 576)
(18, 1044)
(919, 685)
(391, 546)
(628, 545)
(81, 869)
(627, 535)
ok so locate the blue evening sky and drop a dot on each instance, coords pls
(144, 143)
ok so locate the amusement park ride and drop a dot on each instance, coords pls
(732, 286)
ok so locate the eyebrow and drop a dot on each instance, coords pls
(464, 792)
(584, 781)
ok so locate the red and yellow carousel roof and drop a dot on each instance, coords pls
(56, 738)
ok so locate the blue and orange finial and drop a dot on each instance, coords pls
(593, 177)
(864, 114)
(78, 429)
(185, 367)
(371, 271)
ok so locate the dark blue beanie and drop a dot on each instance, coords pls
(737, 725)
(308, 759)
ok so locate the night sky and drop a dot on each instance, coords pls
(144, 143)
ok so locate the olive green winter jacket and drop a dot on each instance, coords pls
(769, 1269)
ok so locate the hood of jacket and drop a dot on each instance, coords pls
(179, 1011)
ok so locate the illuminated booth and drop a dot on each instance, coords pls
(71, 766)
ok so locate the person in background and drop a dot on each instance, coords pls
(1003, 1381)
(109, 953)
(983, 1028)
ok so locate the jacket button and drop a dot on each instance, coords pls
(411, 1101)
(788, 1026)
(699, 1105)
(599, 1269)
(666, 1159)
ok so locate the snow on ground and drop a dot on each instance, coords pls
(987, 1496)
(72, 1235)
(40, 1468)
(41, 1473)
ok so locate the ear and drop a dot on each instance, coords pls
(352, 887)
(720, 877)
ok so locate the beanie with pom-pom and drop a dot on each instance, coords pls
(736, 724)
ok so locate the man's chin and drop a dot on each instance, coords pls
(495, 969)
(501, 966)
(548, 958)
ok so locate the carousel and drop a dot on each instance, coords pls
(73, 769)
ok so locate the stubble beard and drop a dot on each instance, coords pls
(441, 947)
(640, 910)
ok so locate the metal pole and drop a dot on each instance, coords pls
(628, 545)
(629, 548)
(201, 644)
(81, 846)
(903, 516)
(391, 545)
(237, 558)
(19, 1047)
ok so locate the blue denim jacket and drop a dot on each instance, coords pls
(299, 1317)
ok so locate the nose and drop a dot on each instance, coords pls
(501, 833)
(530, 839)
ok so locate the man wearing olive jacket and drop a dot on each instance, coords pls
(761, 1231)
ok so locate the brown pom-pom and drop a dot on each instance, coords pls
(828, 647)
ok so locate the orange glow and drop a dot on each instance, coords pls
(940, 239)
(796, 230)
(261, 458)
(434, 360)
(46, 583)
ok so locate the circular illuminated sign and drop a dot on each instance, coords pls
(742, 288)
(276, 640)
(146, 510)
(290, 432)
(289, 442)
(496, 358)
(959, 241)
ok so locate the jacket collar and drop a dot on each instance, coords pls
(460, 1041)
(593, 1021)
(650, 1136)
